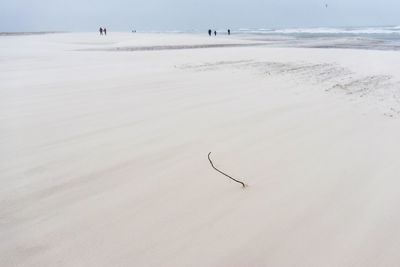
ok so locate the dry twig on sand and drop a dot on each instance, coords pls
(237, 181)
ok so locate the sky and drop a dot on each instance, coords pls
(161, 15)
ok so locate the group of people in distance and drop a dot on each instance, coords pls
(103, 30)
(215, 32)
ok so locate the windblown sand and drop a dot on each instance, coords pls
(104, 143)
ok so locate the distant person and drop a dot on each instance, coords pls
(209, 32)
(215, 33)
(101, 31)
(229, 32)
(105, 31)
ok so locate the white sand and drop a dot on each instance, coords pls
(103, 155)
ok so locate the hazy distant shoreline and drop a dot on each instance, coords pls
(365, 38)
(27, 33)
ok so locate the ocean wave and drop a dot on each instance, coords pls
(326, 30)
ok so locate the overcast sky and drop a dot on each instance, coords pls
(121, 15)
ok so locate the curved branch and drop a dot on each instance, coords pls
(237, 181)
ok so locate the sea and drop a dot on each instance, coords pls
(376, 38)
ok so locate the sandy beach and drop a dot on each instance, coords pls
(104, 143)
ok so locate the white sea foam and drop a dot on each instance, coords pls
(326, 30)
(380, 38)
